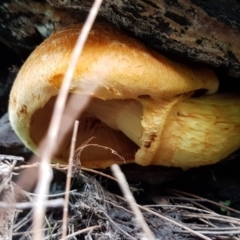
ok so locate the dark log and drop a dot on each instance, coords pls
(25, 24)
(206, 31)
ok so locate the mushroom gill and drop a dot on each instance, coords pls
(107, 144)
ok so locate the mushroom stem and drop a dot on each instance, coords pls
(200, 131)
(123, 115)
(194, 132)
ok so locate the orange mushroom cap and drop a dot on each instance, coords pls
(142, 106)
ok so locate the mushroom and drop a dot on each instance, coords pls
(143, 107)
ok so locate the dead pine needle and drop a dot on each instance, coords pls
(131, 201)
(179, 193)
(45, 171)
(99, 173)
(68, 182)
(169, 220)
(83, 231)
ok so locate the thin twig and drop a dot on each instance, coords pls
(83, 231)
(204, 199)
(99, 173)
(131, 201)
(180, 206)
(219, 218)
(31, 232)
(207, 222)
(24, 205)
(52, 236)
(54, 195)
(15, 232)
(215, 228)
(118, 228)
(218, 232)
(194, 202)
(36, 164)
(68, 182)
(24, 221)
(45, 171)
(118, 206)
(10, 157)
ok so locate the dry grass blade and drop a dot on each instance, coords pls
(45, 171)
(129, 197)
(68, 182)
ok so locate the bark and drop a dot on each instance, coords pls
(206, 31)
(25, 24)
(203, 31)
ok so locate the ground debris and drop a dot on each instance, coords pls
(96, 213)
(7, 195)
